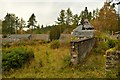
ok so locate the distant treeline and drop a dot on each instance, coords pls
(106, 19)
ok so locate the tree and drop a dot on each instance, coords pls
(38, 30)
(61, 18)
(69, 17)
(32, 21)
(85, 15)
(41, 26)
(107, 19)
(89, 16)
(22, 25)
(17, 24)
(9, 24)
(95, 14)
(75, 20)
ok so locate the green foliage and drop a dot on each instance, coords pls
(100, 47)
(15, 58)
(66, 61)
(103, 45)
(32, 21)
(75, 20)
(111, 43)
(85, 15)
(55, 44)
(38, 31)
(111, 74)
(9, 24)
(61, 18)
(54, 33)
(69, 16)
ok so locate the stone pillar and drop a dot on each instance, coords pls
(74, 54)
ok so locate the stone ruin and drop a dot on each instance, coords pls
(112, 63)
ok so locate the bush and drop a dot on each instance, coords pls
(111, 43)
(15, 58)
(55, 44)
(54, 33)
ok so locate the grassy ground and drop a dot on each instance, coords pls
(49, 63)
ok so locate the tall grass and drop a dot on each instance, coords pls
(54, 63)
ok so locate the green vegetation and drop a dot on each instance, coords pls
(32, 21)
(55, 44)
(55, 33)
(112, 43)
(55, 63)
(15, 58)
(66, 21)
(41, 59)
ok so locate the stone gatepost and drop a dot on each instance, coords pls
(112, 64)
(74, 53)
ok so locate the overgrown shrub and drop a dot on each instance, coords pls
(111, 43)
(15, 58)
(54, 33)
(55, 44)
(103, 45)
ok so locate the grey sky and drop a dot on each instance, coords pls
(46, 11)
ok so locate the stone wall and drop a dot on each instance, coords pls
(80, 48)
(40, 37)
(112, 63)
(18, 37)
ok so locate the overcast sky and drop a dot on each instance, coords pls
(46, 11)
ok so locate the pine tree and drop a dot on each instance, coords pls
(32, 22)
(69, 16)
(22, 25)
(75, 20)
(9, 24)
(61, 18)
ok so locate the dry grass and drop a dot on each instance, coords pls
(53, 65)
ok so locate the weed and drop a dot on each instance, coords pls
(55, 44)
(66, 61)
(40, 63)
(111, 43)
